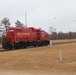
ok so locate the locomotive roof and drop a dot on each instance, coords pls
(24, 28)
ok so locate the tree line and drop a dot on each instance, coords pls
(60, 35)
(6, 23)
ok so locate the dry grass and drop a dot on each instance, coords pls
(66, 40)
(40, 58)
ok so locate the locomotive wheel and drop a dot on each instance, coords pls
(42, 43)
(39, 44)
(24, 45)
(17, 46)
(34, 44)
(9, 46)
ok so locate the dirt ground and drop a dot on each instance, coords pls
(39, 61)
(34, 73)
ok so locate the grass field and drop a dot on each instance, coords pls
(40, 59)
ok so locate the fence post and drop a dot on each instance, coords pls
(60, 55)
(50, 43)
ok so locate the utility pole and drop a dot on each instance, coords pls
(26, 20)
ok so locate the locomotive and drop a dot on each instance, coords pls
(17, 38)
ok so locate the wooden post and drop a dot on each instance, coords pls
(50, 43)
(60, 55)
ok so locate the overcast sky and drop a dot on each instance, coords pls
(60, 14)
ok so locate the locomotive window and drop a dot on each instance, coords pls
(43, 32)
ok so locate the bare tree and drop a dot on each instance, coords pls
(19, 24)
(51, 30)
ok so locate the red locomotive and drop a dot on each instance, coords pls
(17, 38)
